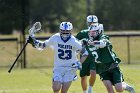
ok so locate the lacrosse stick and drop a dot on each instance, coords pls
(35, 28)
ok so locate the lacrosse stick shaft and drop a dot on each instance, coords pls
(18, 57)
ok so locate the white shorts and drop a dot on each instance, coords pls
(64, 74)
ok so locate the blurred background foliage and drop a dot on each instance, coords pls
(114, 14)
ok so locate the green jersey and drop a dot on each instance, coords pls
(89, 62)
(103, 57)
(83, 35)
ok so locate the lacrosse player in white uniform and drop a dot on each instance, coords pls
(65, 57)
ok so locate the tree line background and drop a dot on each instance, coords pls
(114, 14)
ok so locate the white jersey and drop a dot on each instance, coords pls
(65, 52)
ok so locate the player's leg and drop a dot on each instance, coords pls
(84, 83)
(91, 80)
(83, 74)
(57, 80)
(108, 85)
(118, 87)
(106, 78)
(124, 86)
(92, 77)
(65, 87)
(117, 79)
(56, 86)
(68, 76)
(128, 88)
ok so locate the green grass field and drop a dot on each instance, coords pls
(38, 80)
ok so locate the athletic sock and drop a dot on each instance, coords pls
(85, 91)
(89, 89)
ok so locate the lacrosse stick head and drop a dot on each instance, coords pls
(35, 28)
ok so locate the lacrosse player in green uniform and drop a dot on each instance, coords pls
(106, 61)
(88, 67)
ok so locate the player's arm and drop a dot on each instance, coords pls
(83, 56)
(78, 64)
(36, 43)
(39, 44)
(103, 42)
(100, 43)
(82, 51)
(80, 35)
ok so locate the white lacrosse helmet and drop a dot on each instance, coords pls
(94, 30)
(65, 29)
(91, 19)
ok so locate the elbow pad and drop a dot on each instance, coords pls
(39, 44)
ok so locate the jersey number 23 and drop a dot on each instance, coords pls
(64, 54)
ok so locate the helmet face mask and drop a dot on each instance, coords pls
(94, 31)
(89, 23)
(65, 34)
(65, 30)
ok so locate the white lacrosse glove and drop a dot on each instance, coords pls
(77, 65)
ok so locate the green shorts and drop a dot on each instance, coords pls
(86, 67)
(115, 76)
